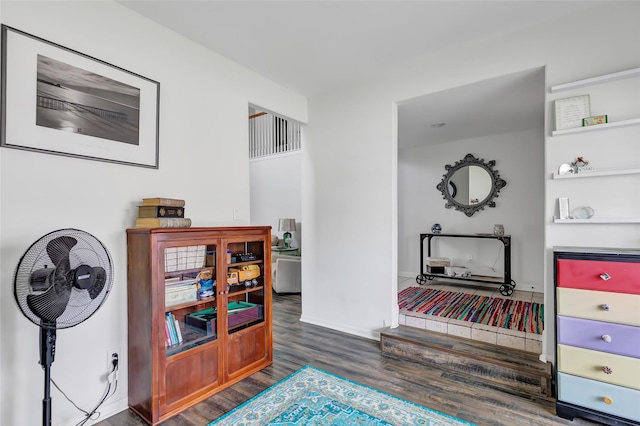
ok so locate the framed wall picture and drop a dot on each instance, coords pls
(571, 111)
(56, 100)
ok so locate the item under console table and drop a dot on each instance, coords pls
(597, 294)
(506, 283)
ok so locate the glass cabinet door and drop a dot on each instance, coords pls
(245, 286)
(190, 296)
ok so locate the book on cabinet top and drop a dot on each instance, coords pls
(163, 222)
(160, 211)
(160, 201)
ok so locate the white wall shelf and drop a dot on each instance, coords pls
(599, 220)
(605, 126)
(635, 72)
(597, 173)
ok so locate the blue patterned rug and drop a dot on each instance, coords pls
(311, 396)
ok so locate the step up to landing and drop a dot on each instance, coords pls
(516, 372)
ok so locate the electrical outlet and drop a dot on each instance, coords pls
(236, 214)
(469, 258)
(113, 355)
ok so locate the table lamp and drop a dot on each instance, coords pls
(287, 225)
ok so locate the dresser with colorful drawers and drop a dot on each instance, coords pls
(598, 334)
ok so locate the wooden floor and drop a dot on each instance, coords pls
(297, 344)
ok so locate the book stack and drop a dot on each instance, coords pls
(162, 213)
(172, 330)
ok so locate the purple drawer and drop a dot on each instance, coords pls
(601, 336)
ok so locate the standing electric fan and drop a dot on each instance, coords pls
(60, 281)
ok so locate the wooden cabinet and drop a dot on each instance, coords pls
(598, 334)
(219, 337)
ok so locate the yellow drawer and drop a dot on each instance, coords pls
(604, 367)
(599, 305)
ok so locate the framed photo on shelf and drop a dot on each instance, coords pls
(571, 111)
(56, 100)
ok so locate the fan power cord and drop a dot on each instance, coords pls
(112, 379)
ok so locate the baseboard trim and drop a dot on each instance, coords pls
(367, 334)
(106, 411)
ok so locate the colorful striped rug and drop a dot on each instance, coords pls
(494, 311)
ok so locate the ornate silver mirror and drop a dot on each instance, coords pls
(470, 185)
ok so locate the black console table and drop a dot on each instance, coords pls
(506, 283)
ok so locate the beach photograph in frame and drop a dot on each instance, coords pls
(59, 101)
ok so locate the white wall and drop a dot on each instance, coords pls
(349, 163)
(519, 207)
(203, 159)
(275, 191)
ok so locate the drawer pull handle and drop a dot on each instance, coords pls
(607, 400)
(607, 370)
(605, 277)
(606, 307)
(606, 338)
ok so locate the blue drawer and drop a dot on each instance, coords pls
(592, 394)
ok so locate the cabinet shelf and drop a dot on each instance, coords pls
(623, 123)
(631, 219)
(597, 173)
(192, 337)
(634, 72)
(190, 304)
(244, 290)
(249, 262)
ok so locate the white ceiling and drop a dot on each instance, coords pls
(314, 46)
(504, 104)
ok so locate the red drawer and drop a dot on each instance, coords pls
(617, 277)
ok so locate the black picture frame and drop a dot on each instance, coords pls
(56, 100)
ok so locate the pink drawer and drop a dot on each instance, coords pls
(617, 277)
(600, 336)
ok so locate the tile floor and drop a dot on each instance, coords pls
(528, 342)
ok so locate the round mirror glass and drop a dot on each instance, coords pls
(470, 185)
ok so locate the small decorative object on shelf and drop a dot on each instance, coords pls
(565, 169)
(563, 208)
(498, 229)
(582, 213)
(436, 228)
(206, 284)
(596, 119)
(580, 165)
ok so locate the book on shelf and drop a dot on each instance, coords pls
(177, 324)
(167, 333)
(160, 201)
(167, 322)
(163, 222)
(174, 329)
(160, 211)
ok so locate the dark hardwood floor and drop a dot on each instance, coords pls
(297, 344)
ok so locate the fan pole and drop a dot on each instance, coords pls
(47, 353)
